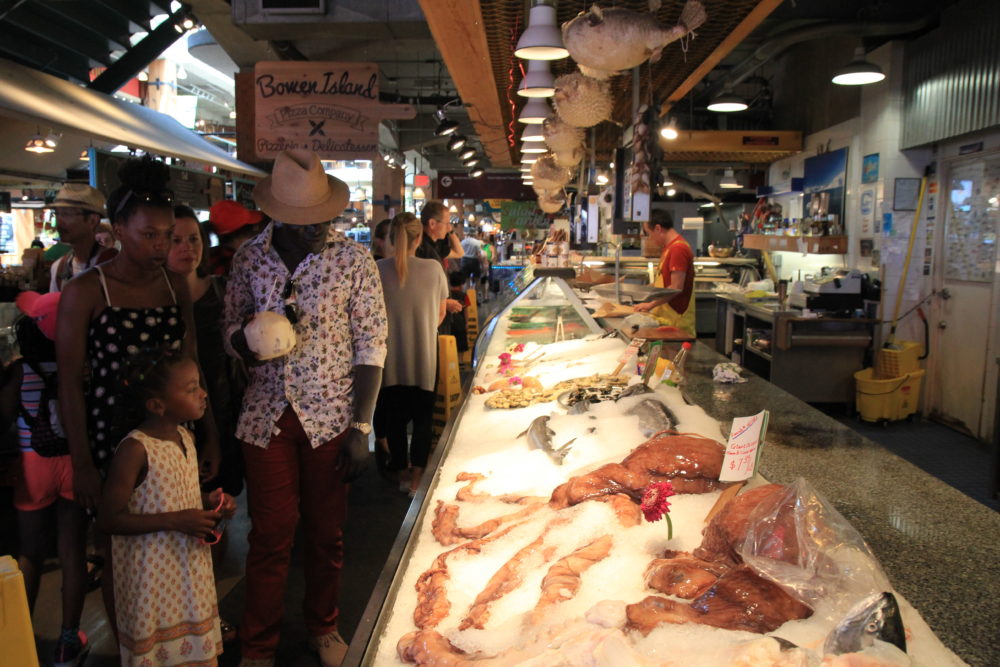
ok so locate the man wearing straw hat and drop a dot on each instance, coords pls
(79, 209)
(304, 309)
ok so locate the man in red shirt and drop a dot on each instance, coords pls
(676, 272)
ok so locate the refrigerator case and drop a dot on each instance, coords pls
(536, 307)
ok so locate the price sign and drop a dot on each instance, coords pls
(629, 354)
(743, 449)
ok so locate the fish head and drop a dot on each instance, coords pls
(875, 617)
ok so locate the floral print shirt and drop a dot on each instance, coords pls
(341, 324)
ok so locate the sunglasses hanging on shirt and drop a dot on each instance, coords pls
(291, 304)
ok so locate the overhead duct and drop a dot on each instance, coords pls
(785, 40)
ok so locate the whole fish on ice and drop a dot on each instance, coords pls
(875, 617)
(540, 437)
(605, 41)
(654, 416)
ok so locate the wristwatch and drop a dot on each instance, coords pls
(364, 427)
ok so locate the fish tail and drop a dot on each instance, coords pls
(693, 16)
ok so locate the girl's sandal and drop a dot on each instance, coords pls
(95, 567)
(229, 631)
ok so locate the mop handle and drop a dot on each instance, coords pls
(906, 264)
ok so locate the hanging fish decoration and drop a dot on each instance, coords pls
(582, 101)
(552, 204)
(560, 136)
(569, 159)
(605, 41)
(547, 175)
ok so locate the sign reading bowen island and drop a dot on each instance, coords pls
(330, 108)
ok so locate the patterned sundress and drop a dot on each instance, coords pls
(165, 596)
(115, 335)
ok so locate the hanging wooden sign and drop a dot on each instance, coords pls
(328, 107)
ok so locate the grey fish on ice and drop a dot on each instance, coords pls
(653, 415)
(876, 616)
(634, 390)
(540, 437)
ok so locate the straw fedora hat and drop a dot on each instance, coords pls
(80, 195)
(299, 192)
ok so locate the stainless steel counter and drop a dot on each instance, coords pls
(812, 357)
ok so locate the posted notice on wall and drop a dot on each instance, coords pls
(743, 449)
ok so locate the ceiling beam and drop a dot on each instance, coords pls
(244, 50)
(732, 40)
(129, 11)
(138, 57)
(51, 29)
(457, 27)
(98, 19)
(43, 57)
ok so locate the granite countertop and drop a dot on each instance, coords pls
(940, 548)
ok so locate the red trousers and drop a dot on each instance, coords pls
(287, 480)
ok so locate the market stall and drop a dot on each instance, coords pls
(526, 546)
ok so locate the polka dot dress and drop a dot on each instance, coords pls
(164, 588)
(115, 335)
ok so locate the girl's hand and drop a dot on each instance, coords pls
(87, 486)
(197, 523)
(225, 503)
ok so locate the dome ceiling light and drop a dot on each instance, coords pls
(727, 102)
(859, 72)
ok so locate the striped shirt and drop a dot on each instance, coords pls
(32, 386)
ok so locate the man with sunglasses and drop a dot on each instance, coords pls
(440, 243)
(79, 209)
(306, 415)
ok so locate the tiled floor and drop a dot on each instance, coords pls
(954, 458)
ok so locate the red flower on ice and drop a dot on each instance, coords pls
(519, 347)
(505, 358)
(514, 381)
(655, 506)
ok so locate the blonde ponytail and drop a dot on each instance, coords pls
(404, 231)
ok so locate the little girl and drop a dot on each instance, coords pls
(153, 508)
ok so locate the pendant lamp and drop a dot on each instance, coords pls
(456, 142)
(538, 80)
(532, 133)
(729, 181)
(727, 102)
(535, 111)
(533, 148)
(36, 144)
(859, 71)
(542, 40)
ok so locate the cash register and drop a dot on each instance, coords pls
(833, 290)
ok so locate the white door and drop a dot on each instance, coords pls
(965, 313)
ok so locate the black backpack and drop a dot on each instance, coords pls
(47, 436)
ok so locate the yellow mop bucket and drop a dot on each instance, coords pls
(897, 361)
(888, 399)
(17, 639)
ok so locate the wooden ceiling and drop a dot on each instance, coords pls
(502, 21)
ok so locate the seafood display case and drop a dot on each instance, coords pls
(539, 310)
(528, 544)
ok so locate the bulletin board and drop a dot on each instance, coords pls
(973, 221)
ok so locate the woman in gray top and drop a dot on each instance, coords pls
(415, 291)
